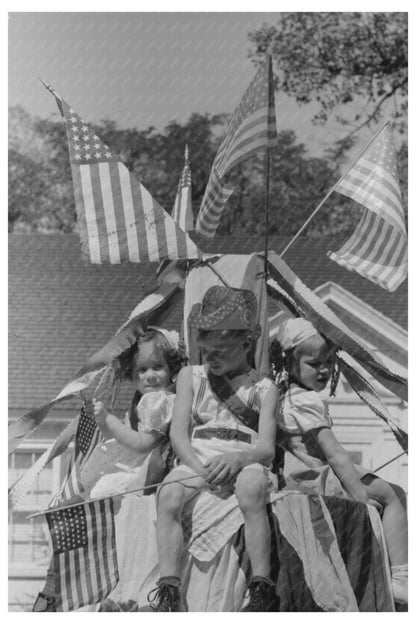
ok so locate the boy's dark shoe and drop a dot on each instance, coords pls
(166, 598)
(44, 603)
(262, 595)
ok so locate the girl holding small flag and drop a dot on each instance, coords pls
(131, 455)
(126, 461)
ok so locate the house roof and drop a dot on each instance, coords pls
(62, 309)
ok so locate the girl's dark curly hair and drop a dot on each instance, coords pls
(175, 359)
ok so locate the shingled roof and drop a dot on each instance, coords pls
(62, 309)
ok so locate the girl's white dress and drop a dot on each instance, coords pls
(113, 468)
(302, 413)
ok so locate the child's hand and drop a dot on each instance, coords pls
(222, 468)
(99, 411)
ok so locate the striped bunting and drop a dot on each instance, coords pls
(252, 126)
(377, 249)
(182, 209)
(119, 220)
(84, 553)
(20, 488)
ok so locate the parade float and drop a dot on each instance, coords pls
(328, 553)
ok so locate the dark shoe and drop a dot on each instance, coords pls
(44, 603)
(262, 595)
(166, 598)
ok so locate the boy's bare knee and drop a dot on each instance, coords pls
(170, 499)
(250, 489)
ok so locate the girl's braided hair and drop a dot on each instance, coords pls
(279, 362)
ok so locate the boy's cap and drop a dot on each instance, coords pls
(225, 308)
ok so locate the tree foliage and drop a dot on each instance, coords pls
(351, 64)
(40, 185)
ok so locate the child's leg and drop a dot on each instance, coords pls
(171, 499)
(251, 490)
(393, 499)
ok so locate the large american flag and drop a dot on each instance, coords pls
(252, 126)
(377, 249)
(182, 209)
(119, 220)
(84, 553)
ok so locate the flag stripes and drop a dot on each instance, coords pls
(85, 558)
(256, 131)
(252, 126)
(374, 188)
(119, 220)
(377, 250)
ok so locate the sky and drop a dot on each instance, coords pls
(142, 69)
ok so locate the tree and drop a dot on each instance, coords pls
(351, 64)
(297, 184)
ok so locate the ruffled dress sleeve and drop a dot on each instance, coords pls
(302, 411)
(155, 412)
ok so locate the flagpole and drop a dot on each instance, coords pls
(266, 239)
(309, 219)
(56, 96)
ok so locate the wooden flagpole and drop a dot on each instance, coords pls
(309, 219)
(267, 203)
(266, 238)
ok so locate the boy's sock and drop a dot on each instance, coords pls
(169, 580)
(399, 577)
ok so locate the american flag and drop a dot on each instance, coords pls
(119, 220)
(182, 209)
(377, 249)
(87, 437)
(84, 553)
(252, 126)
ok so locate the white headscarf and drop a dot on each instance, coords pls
(172, 337)
(294, 331)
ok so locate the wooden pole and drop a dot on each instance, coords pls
(95, 500)
(266, 238)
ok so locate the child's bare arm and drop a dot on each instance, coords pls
(111, 427)
(181, 420)
(221, 468)
(341, 464)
